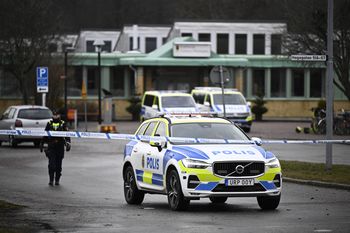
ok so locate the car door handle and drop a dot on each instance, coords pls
(149, 153)
(134, 150)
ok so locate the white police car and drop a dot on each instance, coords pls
(190, 169)
(155, 103)
(209, 99)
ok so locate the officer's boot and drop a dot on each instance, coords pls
(57, 179)
(51, 175)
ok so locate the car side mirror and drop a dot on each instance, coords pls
(154, 106)
(207, 104)
(158, 142)
(257, 141)
(249, 104)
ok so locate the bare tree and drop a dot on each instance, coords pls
(27, 29)
(307, 34)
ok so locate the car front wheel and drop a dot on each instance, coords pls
(176, 199)
(269, 202)
(132, 194)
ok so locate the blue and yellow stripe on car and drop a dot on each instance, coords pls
(149, 177)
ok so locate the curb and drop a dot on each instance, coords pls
(317, 183)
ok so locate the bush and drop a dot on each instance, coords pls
(135, 107)
(259, 109)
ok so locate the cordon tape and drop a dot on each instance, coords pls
(117, 136)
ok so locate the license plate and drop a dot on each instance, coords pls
(239, 182)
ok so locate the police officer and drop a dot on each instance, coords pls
(55, 148)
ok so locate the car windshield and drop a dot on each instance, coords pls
(178, 102)
(208, 130)
(34, 114)
(234, 99)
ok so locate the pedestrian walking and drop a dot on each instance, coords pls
(55, 148)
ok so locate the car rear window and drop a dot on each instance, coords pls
(34, 114)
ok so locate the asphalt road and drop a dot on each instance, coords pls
(91, 199)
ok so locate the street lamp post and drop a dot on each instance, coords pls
(98, 44)
(68, 49)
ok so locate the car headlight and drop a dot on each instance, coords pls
(273, 163)
(190, 163)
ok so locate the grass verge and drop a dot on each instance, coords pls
(9, 206)
(316, 171)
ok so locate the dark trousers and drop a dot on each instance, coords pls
(55, 156)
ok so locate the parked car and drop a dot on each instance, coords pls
(24, 117)
(209, 99)
(156, 103)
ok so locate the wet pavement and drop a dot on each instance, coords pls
(90, 197)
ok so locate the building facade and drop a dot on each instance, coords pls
(140, 58)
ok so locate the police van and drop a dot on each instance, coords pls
(209, 99)
(189, 157)
(155, 103)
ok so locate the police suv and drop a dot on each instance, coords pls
(155, 103)
(192, 157)
(236, 107)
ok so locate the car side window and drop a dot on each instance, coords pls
(150, 128)
(142, 129)
(161, 130)
(5, 115)
(199, 98)
(148, 100)
(12, 113)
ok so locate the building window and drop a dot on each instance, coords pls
(186, 34)
(258, 82)
(92, 80)
(204, 37)
(317, 83)
(276, 44)
(278, 82)
(107, 47)
(259, 44)
(116, 81)
(241, 44)
(222, 43)
(163, 40)
(75, 81)
(298, 83)
(131, 43)
(90, 48)
(151, 44)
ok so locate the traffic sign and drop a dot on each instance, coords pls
(42, 79)
(215, 76)
(308, 58)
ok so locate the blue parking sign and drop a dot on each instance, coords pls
(42, 79)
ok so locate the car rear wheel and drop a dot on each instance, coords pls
(13, 142)
(132, 194)
(176, 199)
(269, 202)
(218, 200)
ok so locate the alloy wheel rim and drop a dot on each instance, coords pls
(173, 191)
(128, 185)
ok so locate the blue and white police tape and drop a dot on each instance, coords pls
(115, 136)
